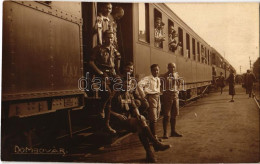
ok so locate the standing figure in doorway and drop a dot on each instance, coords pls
(103, 22)
(104, 65)
(116, 15)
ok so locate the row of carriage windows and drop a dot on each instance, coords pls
(175, 35)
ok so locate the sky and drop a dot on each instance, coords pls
(231, 28)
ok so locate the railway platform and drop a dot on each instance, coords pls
(214, 130)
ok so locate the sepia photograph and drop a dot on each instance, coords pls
(130, 82)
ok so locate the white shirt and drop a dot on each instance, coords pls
(149, 85)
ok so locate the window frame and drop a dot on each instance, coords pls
(147, 24)
(198, 51)
(156, 13)
(188, 44)
(170, 22)
(193, 45)
(180, 35)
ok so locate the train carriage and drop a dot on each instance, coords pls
(137, 44)
(192, 62)
(42, 62)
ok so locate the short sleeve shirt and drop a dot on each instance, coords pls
(105, 56)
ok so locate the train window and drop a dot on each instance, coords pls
(202, 54)
(193, 49)
(208, 56)
(213, 59)
(158, 29)
(144, 22)
(198, 50)
(188, 44)
(173, 45)
(180, 32)
(170, 23)
(48, 3)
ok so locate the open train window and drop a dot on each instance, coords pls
(198, 50)
(144, 30)
(202, 54)
(193, 49)
(170, 23)
(158, 29)
(180, 32)
(188, 44)
(173, 36)
(208, 56)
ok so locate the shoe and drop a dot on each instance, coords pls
(165, 136)
(110, 130)
(161, 147)
(231, 101)
(175, 134)
(150, 158)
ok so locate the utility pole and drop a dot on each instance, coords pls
(250, 63)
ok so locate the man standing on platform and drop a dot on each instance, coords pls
(170, 100)
(249, 82)
(149, 90)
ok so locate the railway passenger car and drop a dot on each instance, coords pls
(137, 44)
(220, 64)
(193, 57)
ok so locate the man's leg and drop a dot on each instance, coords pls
(167, 104)
(250, 90)
(174, 113)
(150, 158)
(144, 131)
(106, 97)
(152, 112)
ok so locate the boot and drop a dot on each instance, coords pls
(150, 158)
(173, 131)
(158, 146)
(165, 125)
(153, 130)
(152, 127)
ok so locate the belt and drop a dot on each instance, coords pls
(154, 94)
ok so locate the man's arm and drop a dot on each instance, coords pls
(141, 85)
(119, 116)
(98, 29)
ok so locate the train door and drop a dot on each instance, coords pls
(124, 30)
(125, 33)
